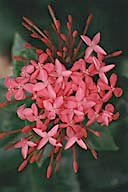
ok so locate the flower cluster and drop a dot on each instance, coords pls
(65, 101)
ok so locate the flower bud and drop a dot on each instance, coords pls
(23, 165)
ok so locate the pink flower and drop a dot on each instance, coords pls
(47, 137)
(45, 84)
(24, 144)
(27, 71)
(112, 89)
(74, 138)
(102, 70)
(41, 67)
(20, 112)
(31, 114)
(93, 45)
(84, 100)
(60, 71)
(10, 84)
(107, 114)
(53, 109)
(93, 114)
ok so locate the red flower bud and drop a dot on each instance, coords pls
(23, 165)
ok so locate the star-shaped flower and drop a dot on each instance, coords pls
(93, 45)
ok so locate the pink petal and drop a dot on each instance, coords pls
(52, 141)
(66, 73)
(88, 52)
(75, 78)
(19, 144)
(103, 77)
(91, 113)
(98, 107)
(90, 83)
(10, 82)
(118, 92)
(29, 69)
(70, 116)
(58, 145)
(33, 62)
(69, 132)
(106, 121)
(35, 74)
(47, 105)
(19, 112)
(58, 102)
(19, 94)
(86, 39)
(34, 109)
(99, 49)
(96, 39)
(27, 112)
(71, 104)
(79, 113)
(96, 63)
(70, 142)
(49, 67)
(89, 104)
(24, 151)
(28, 87)
(51, 91)
(59, 80)
(109, 107)
(116, 116)
(42, 143)
(113, 79)
(79, 94)
(23, 80)
(103, 86)
(58, 67)
(82, 64)
(53, 131)
(81, 144)
(43, 57)
(39, 132)
(9, 95)
(107, 96)
(39, 86)
(76, 66)
(90, 121)
(107, 68)
(51, 115)
(41, 125)
(43, 76)
(31, 144)
(30, 118)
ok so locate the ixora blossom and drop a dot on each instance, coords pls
(68, 90)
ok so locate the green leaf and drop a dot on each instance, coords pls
(18, 49)
(103, 143)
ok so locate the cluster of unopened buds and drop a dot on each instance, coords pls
(69, 91)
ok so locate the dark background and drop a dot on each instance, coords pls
(110, 172)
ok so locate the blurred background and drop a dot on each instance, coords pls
(110, 172)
